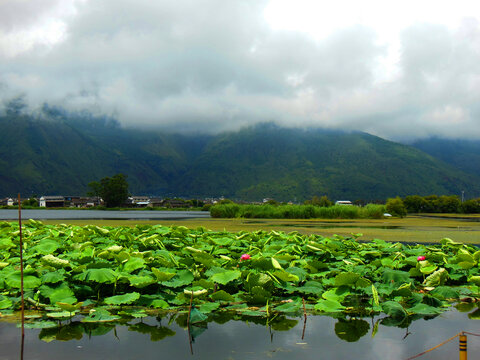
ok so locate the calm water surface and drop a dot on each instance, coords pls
(242, 340)
(9, 214)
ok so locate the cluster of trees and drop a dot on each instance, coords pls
(113, 190)
(432, 204)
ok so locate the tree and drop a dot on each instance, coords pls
(322, 201)
(114, 190)
(396, 207)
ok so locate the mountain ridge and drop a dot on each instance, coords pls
(63, 153)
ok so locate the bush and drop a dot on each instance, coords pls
(396, 207)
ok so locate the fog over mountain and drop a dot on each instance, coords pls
(411, 71)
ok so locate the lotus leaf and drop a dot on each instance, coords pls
(226, 276)
(61, 293)
(394, 309)
(5, 302)
(122, 299)
(221, 295)
(101, 275)
(29, 282)
(328, 306)
(181, 278)
(437, 278)
(45, 246)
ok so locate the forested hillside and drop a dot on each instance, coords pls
(59, 153)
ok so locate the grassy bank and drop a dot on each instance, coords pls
(371, 211)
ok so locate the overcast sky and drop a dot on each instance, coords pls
(406, 70)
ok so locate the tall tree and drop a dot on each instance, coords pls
(113, 190)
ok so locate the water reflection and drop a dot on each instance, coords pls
(233, 336)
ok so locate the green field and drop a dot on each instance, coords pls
(414, 228)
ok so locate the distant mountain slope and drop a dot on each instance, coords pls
(267, 161)
(462, 154)
(63, 153)
(54, 157)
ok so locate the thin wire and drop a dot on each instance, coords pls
(435, 347)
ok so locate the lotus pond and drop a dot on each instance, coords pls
(85, 279)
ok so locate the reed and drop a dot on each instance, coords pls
(371, 211)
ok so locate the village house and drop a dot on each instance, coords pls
(52, 201)
(85, 202)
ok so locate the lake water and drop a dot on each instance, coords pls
(10, 214)
(152, 339)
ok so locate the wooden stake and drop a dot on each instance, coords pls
(21, 264)
(304, 318)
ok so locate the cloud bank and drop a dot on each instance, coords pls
(214, 65)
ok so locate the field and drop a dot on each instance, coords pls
(414, 228)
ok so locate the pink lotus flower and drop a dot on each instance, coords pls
(244, 257)
(421, 258)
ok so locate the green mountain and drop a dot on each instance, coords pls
(60, 153)
(461, 153)
(267, 161)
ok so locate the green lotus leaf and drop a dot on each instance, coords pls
(29, 281)
(134, 263)
(336, 294)
(53, 277)
(41, 324)
(196, 316)
(161, 275)
(395, 277)
(285, 276)
(437, 278)
(102, 275)
(428, 269)
(6, 244)
(311, 287)
(445, 292)
(69, 307)
(466, 264)
(59, 315)
(328, 306)
(181, 278)
(226, 276)
(45, 246)
(5, 302)
(61, 293)
(140, 281)
(204, 258)
(122, 299)
(221, 295)
(424, 309)
(474, 279)
(276, 264)
(346, 278)
(289, 307)
(393, 309)
(223, 241)
(207, 308)
(100, 315)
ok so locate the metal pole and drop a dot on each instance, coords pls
(462, 340)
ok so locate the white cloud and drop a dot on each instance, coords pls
(213, 65)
